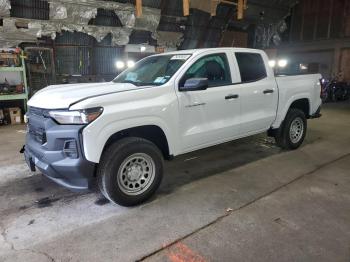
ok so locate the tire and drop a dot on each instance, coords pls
(292, 132)
(130, 171)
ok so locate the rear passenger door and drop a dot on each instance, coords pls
(209, 116)
(259, 94)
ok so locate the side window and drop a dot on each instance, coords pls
(251, 66)
(214, 67)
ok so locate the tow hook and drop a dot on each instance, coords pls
(22, 149)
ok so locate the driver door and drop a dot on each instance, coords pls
(210, 116)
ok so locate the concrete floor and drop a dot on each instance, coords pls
(241, 201)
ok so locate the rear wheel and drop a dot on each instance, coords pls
(292, 132)
(130, 171)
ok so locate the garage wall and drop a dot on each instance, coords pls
(320, 34)
(345, 63)
(320, 19)
(234, 39)
(317, 61)
(80, 54)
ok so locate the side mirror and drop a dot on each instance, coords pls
(194, 84)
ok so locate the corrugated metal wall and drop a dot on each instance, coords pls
(104, 60)
(81, 54)
(73, 60)
(72, 53)
(32, 9)
(319, 19)
(77, 53)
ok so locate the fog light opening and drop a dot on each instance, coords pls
(70, 149)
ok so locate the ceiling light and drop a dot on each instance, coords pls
(282, 63)
(272, 63)
(120, 64)
(131, 63)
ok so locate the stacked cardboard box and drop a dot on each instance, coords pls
(2, 117)
(13, 115)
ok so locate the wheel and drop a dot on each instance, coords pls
(130, 171)
(292, 132)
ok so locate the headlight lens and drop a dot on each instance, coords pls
(78, 117)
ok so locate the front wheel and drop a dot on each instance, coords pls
(130, 171)
(292, 132)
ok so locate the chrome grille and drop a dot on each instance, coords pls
(37, 133)
(36, 128)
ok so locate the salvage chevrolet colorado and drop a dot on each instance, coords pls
(120, 132)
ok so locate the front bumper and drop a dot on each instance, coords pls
(58, 153)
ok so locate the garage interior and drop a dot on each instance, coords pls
(245, 200)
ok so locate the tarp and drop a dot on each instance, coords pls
(67, 15)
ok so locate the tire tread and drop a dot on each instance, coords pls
(282, 134)
(108, 158)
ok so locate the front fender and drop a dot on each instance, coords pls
(97, 134)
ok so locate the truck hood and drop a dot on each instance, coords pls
(62, 96)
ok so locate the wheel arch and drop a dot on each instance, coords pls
(153, 133)
(301, 102)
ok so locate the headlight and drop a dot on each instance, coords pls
(78, 117)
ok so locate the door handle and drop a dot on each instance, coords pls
(196, 104)
(228, 97)
(268, 91)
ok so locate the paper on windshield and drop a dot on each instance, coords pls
(180, 57)
(160, 80)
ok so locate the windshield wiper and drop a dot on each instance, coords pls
(138, 83)
(148, 84)
(130, 82)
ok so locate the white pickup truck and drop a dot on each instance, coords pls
(169, 104)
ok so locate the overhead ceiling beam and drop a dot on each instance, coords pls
(138, 8)
(240, 9)
(227, 2)
(213, 6)
(186, 7)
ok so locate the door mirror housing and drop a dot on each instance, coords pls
(194, 84)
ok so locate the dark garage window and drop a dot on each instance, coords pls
(251, 66)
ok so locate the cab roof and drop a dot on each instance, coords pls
(202, 50)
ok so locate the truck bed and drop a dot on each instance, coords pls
(294, 87)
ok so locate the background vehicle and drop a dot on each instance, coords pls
(333, 90)
(170, 104)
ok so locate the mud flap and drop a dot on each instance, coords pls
(28, 159)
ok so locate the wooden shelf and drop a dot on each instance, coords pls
(11, 69)
(22, 71)
(13, 97)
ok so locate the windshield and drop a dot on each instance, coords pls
(153, 70)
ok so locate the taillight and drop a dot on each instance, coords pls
(322, 81)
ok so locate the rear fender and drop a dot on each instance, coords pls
(283, 108)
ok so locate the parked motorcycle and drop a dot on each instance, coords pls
(333, 90)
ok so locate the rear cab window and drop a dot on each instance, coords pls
(251, 66)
